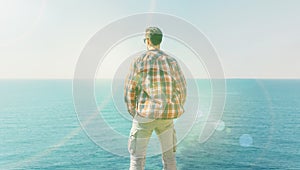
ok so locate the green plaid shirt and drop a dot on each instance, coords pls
(155, 87)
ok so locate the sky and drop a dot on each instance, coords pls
(43, 39)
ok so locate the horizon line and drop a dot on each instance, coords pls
(229, 78)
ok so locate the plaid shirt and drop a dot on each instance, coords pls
(155, 87)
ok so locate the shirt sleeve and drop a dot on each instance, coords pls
(131, 89)
(180, 83)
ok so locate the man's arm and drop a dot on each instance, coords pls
(180, 84)
(131, 90)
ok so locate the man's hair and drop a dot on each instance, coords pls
(154, 34)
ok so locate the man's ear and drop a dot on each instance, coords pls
(148, 41)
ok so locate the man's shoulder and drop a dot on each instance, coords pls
(141, 56)
(171, 60)
(168, 57)
(162, 55)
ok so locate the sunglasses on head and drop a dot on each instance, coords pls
(145, 40)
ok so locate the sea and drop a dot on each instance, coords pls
(259, 127)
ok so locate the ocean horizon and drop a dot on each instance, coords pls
(259, 128)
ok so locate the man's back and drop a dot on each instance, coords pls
(160, 86)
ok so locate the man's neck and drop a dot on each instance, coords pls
(157, 47)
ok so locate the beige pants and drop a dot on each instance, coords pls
(139, 137)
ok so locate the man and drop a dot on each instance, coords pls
(155, 92)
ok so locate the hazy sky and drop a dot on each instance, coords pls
(254, 38)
